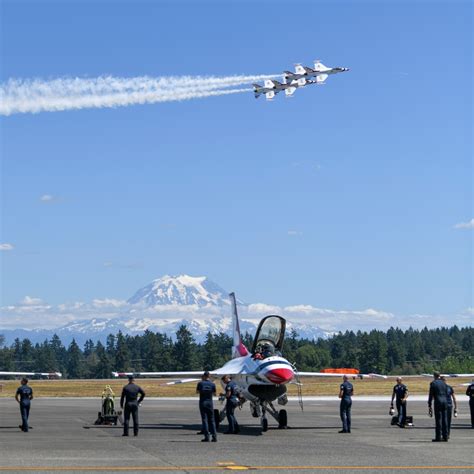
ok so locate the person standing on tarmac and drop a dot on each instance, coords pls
(130, 402)
(207, 390)
(470, 394)
(23, 396)
(346, 390)
(232, 401)
(451, 401)
(400, 391)
(439, 393)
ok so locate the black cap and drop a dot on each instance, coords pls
(131, 377)
(206, 373)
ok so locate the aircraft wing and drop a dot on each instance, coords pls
(183, 376)
(450, 375)
(350, 375)
(32, 374)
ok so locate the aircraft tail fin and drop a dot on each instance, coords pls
(238, 348)
(290, 91)
(321, 78)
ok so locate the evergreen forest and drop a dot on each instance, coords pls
(395, 351)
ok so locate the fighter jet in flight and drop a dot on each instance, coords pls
(272, 87)
(320, 72)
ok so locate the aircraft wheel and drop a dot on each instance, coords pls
(217, 418)
(264, 424)
(282, 419)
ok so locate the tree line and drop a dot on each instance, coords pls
(392, 352)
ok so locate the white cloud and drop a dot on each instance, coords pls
(294, 232)
(33, 313)
(108, 303)
(262, 308)
(29, 301)
(6, 246)
(465, 225)
(47, 198)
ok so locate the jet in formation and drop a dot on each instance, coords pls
(261, 374)
(303, 76)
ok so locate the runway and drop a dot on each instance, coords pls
(64, 439)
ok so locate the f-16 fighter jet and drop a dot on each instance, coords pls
(320, 72)
(272, 87)
(261, 374)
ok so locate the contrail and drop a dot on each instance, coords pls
(37, 95)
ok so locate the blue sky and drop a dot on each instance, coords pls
(345, 196)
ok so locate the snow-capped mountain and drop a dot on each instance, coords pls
(161, 306)
(99, 328)
(181, 290)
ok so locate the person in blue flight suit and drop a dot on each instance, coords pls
(400, 393)
(346, 390)
(451, 402)
(470, 394)
(24, 395)
(439, 394)
(232, 402)
(130, 402)
(207, 390)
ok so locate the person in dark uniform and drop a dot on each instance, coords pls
(470, 394)
(400, 392)
(232, 401)
(439, 393)
(23, 396)
(130, 402)
(207, 390)
(451, 402)
(346, 390)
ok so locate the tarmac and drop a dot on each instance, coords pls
(63, 438)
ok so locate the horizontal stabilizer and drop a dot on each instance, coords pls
(290, 91)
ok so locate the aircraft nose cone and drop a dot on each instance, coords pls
(280, 375)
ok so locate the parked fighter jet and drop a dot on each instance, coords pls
(271, 88)
(320, 72)
(261, 374)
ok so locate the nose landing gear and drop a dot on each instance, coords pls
(281, 416)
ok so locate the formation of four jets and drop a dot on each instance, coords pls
(302, 77)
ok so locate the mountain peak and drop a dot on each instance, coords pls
(181, 290)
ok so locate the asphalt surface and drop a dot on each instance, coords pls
(64, 439)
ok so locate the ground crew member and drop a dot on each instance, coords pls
(23, 396)
(470, 394)
(451, 401)
(400, 391)
(129, 403)
(439, 393)
(206, 390)
(346, 390)
(232, 401)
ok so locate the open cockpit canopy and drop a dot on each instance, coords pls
(270, 335)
